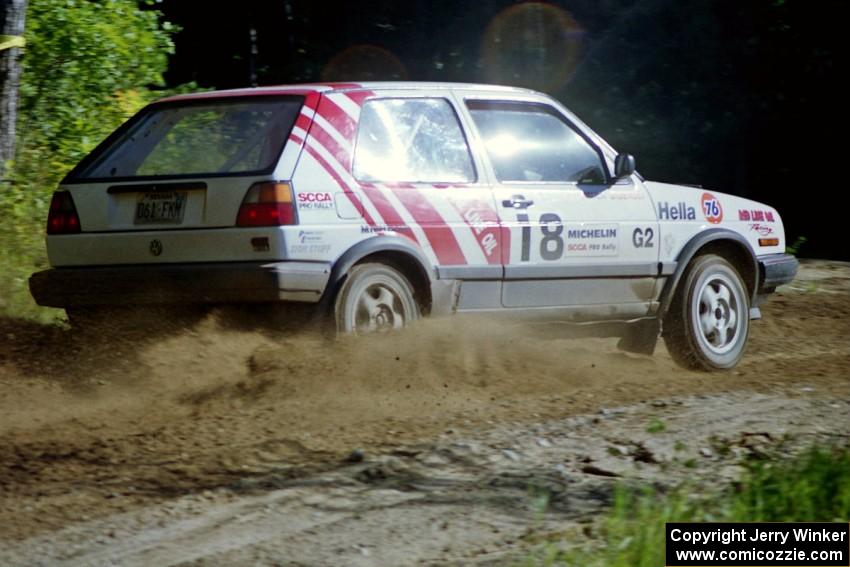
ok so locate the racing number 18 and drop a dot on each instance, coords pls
(552, 244)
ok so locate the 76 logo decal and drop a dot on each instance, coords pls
(711, 208)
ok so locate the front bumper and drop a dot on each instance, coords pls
(776, 270)
(231, 282)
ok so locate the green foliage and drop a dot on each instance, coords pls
(814, 487)
(656, 426)
(795, 248)
(88, 66)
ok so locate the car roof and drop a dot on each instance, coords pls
(307, 88)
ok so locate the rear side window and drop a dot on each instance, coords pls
(533, 143)
(411, 140)
(216, 137)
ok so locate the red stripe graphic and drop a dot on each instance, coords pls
(437, 231)
(311, 101)
(339, 181)
(359, 97)
(439, 234)
(336, 116)
(388, 211)
(483, 222)
(391, 217)
(338, 86)
(324, 138)
(347, 127)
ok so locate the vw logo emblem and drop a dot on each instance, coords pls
(156, 247)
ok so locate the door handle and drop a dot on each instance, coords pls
(517, 202)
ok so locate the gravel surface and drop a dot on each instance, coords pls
(460, 441)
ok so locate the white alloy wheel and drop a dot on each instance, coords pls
(375, 298)
(707, 325)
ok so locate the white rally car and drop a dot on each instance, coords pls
(382, 202)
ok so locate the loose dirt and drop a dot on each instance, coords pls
(219, 446)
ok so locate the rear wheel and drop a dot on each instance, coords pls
(707, 325)
(375, 298)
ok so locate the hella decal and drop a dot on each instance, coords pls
(676, 211)
(711, 208)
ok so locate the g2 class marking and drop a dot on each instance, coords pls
(642, 237)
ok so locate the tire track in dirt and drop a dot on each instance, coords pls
(482, 499)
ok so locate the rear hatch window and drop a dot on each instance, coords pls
(196, 138)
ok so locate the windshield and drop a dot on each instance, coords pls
(216, 137)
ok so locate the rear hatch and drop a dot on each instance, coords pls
(178, 170)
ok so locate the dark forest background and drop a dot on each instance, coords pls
(741, 96)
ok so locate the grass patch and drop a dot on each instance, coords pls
(656, 426)
(22, 252)
(813, 487)
(23, 221)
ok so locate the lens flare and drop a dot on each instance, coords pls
(364, 63)
(533, 44)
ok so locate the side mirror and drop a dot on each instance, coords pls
(624, 166)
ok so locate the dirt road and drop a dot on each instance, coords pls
(217, 446)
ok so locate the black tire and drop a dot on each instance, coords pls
(708, 323)
(374, 298)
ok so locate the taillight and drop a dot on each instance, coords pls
(62, 218)
(267, 204)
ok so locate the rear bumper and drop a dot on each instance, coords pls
(776, 270)
(181, 283)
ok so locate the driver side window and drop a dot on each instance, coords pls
(529, 142)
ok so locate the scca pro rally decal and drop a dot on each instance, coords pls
(592, 240)
(315, 201)
(711, 208)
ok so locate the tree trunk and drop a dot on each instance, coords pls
(12, 14)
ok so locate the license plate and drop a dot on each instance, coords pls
(160, 207)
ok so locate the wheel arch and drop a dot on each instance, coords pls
(723, 242)
(394, 251)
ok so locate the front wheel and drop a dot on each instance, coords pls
(708, 322)
(375, 298)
